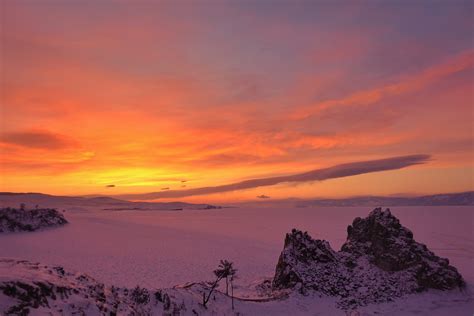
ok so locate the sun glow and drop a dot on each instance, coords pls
(141, 101)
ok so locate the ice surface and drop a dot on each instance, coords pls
(165, 248)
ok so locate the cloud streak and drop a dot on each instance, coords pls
(36, 139)
(416, 82)
(338, 171)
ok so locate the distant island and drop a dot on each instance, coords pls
(19, 220)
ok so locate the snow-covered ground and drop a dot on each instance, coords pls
(164, 248)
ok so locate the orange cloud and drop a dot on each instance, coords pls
(407, 85)
(93, 96)
(338, 171)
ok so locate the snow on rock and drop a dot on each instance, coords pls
(16, 220)
(379, 261)
(33, 288)
(391, 247)
(27, 287)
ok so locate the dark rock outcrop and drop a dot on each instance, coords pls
(299, 254)
(379, 261)
(391, 247)
(17, 220)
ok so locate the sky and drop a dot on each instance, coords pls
(122, 97)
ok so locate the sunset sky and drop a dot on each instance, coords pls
(119, 97)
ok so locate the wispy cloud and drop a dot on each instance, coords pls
(338, 171)
(407, 85)
(36, 139)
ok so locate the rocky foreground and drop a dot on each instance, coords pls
(33, 288)
(379, 261)
(18, 220)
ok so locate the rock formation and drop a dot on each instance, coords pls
(16, 220)
(379, 261)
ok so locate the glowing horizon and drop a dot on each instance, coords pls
(118, 98)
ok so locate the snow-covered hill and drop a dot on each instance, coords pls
(8, 199)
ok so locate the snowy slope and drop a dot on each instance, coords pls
(27, 287)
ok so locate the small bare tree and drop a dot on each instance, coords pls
(227, 269)
(213, 285)
(231, 279)
(224, 270)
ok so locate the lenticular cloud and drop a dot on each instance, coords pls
(338, 171)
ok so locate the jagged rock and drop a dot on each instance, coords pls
(382, 237)
(379, 261)
(16, 220)
(300, 251)
(391, 247)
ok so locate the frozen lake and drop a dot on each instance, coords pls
(165, 248)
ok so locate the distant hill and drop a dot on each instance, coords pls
(463, 198)
(9, 199)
